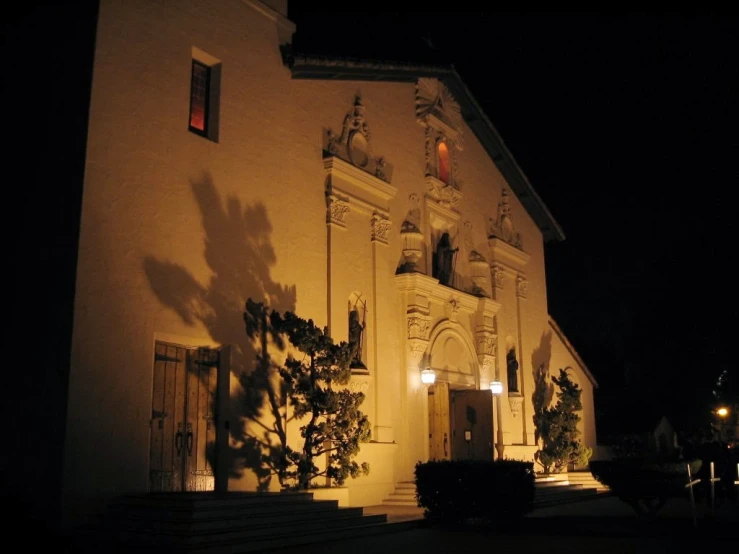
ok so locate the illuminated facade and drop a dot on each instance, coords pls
(220, 168)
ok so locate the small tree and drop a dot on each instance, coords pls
(557, 427)
(334, 425)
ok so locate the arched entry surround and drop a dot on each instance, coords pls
(451, 353)
(459, 414)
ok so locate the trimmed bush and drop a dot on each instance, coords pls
(497, 492)
(644, 486)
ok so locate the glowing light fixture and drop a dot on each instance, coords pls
(722, 412)
(496, 387)
(428, 376)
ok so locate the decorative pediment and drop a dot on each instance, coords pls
(353, 145)
(439, 112)
(502, 227)
(437, 108)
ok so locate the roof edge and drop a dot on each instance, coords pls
(307, 66)
(571, 349)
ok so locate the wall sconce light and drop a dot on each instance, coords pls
(496, 387)
(428, 376)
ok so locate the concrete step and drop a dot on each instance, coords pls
(133, 538)
(228, 522)
(316, 536)
(404, 495)
(549, 492)
(237, 510)
(207, 500)
(568, 496)
(399, 502)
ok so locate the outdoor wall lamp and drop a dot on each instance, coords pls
(428, 376)
(496, 387)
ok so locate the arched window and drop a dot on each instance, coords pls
(443, 161)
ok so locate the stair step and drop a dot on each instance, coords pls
(399, 502)
(216, 513)
(132, 538)
(205, 501)
(228, 523)
(316, 536)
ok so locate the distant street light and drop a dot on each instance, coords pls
(722, 413)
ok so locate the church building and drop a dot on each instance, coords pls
(376, 199)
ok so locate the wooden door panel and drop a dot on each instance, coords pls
(439, 436)
(472, 421)
(201, 395)
(182, 426)
(169, 368)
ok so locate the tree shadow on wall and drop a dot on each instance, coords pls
(239, 254)
(543, 387)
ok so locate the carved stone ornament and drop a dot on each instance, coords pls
(452, 308)
(522, 286)
(412, 222)
(410, 234)
(516, 403)
(434, 100)
(416, 350)
(487, 343)
(497, 274)
(419, 327)
(380, 228)
(446, 195)
(359, 386)
(440, 113)
(479, 268)
(336, 210)
(353, 145)
(502, 227)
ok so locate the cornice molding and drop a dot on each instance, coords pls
(503, 253)
(361, 187)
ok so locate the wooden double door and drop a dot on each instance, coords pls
(460, 423)
(183, 429)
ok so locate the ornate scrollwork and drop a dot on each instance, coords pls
(503, 227)
(353, 145)
(497, 275)
(336, 210)
(419, 327)
(380, 228)
(487, 343)
(522, 286)
(515, 402)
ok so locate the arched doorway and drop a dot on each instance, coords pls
(460, 415)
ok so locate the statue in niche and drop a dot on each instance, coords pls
(512, 370)
(444, 260)
(356, 335)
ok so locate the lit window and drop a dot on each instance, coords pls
(443, 159)
(199, 98)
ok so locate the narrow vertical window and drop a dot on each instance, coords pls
(443, 159)
(199, 98)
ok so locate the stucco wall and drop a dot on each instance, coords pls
(563, 358)
(178, 231)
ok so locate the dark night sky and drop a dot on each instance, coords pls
(626, 125)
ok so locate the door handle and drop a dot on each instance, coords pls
(446, 441)
(178, 439)
(189, 439)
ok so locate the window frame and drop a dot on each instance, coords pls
(206, 102)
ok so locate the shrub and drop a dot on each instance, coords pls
(644, 486)
(498, 492)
